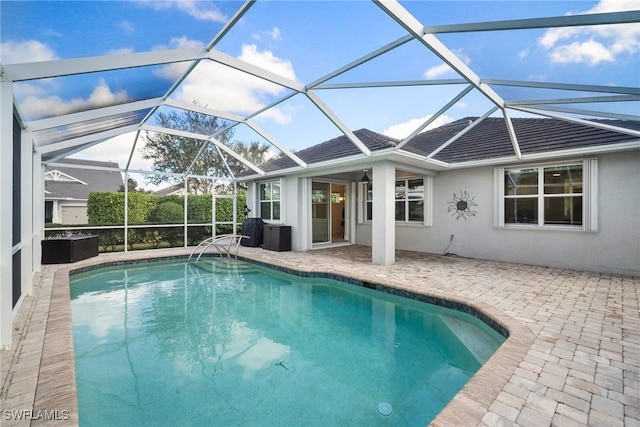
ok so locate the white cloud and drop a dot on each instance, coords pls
(444, 68)
(203, 11)
(127, 27)
(180, 43)
(275, 33)
(176, 70)
(116, 150)
(25, 89)
(267, 60)
(25, 51)
(594, 44)
(402, 130)
(271, 35)
(220, 87)
(35, 107)
(437, 71)
(591, 52)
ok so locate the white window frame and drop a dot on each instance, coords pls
(363, 196)
(406, 199)
(427, 198)
(589, 196)
(260, 201)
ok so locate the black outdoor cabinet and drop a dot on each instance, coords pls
(62, 250)
(277, 237)
(252, 227)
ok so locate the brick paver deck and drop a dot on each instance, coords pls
(572, 357)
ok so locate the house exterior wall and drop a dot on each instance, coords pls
(292, 212)
(614, 248)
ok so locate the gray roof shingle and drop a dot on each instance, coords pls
(488, 140)
(332, 149)
(96, 180)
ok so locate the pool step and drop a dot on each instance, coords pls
(223, 267)
(473, 338)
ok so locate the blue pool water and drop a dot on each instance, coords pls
(237, 344)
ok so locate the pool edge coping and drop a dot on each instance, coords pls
(467, 407)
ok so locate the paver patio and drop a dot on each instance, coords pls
(572, 357)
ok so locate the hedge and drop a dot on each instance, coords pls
(107, 208)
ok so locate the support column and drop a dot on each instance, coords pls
(56, 214)
(304, 240)
(185, 208)
(27, 202)
(6, 211)
(38, 210)
(352, 198)
(126, 211)
(383, 230)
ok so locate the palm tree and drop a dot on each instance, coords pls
(253, 151)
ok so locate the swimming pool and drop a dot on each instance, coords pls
(217, 343)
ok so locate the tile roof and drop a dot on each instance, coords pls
(487, 140)
(490, 138)
(333, 149)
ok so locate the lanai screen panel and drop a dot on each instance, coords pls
(297, 69)
(46, 137)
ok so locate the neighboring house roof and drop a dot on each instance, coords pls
(62, 182)
(172, 189)
(487, 140)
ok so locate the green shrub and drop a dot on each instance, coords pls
(105, 208)
(140, 207)
(108, 207)
(199, 209)
(174, 198)
(167, 213)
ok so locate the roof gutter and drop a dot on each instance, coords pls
(572, 152)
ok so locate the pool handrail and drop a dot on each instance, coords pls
(213, 241)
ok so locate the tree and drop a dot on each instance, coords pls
(132, 186)
(175, 154)
(254, 152)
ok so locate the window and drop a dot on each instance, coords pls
(410, 200)
(269, 193)
(549, 196)
(368, 201)
(412, 203)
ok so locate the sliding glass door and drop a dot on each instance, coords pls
(328, 223)
(320, 208)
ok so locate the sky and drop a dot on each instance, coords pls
(304, 41)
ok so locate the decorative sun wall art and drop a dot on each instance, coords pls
(461, 206)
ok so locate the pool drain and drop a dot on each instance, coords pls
(385, 409)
